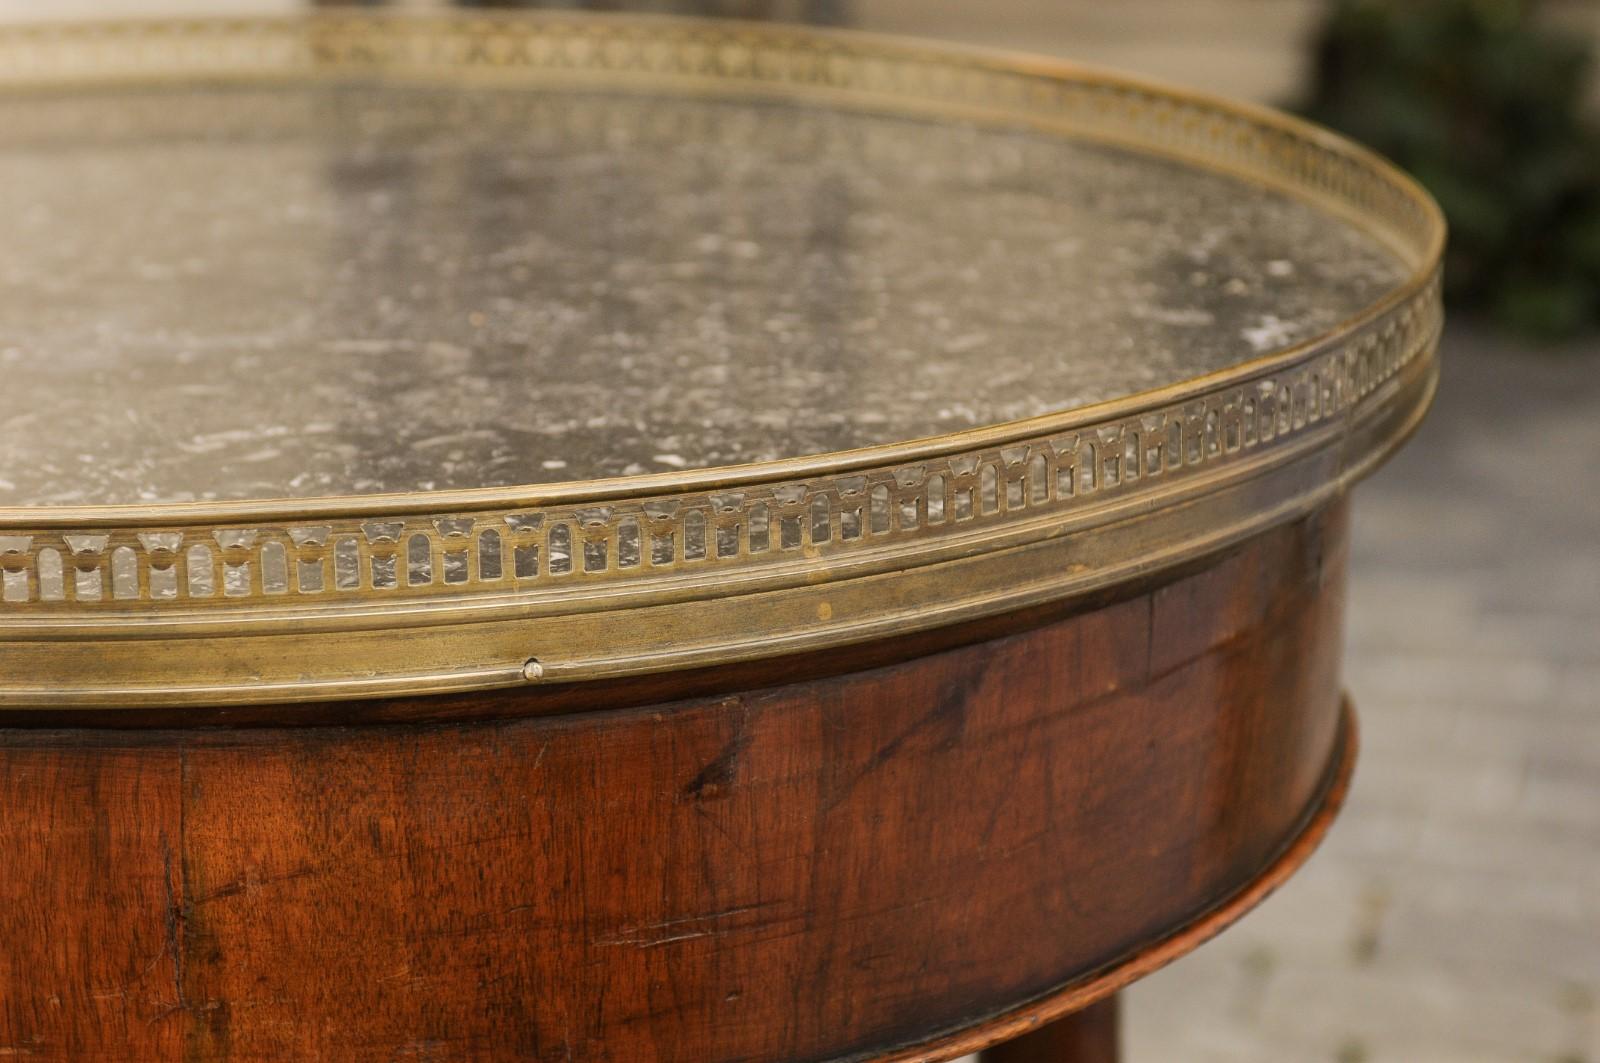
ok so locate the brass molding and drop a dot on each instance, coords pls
(267, 601)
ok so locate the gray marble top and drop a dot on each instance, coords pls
(298, 291)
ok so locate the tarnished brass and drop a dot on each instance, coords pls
(262, 599)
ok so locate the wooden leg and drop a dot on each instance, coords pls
(1087, 1036)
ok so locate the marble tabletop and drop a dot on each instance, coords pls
(243, 292)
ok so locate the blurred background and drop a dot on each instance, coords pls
(1453, 916)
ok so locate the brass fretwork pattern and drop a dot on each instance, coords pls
(77, 579)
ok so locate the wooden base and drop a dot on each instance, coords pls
(907, 861)
(1087, 1036)
(1079, 998)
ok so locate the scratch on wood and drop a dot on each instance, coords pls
(713, 779)
(654, 935)
(945, 720)
(173, 919)
(253, 881)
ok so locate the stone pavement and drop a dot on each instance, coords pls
(1453, 915)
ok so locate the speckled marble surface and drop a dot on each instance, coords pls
(289, 292)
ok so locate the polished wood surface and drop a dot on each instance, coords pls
(1087, 1036)
(910, 860)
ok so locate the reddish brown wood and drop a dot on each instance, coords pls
(1087, 1036)
(835, 866)
(91, 936)
(1083, 993)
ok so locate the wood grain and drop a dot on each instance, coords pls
(1087, 1036)
(835, 866)
(91, 931)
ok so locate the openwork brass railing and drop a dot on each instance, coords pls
(449, 590)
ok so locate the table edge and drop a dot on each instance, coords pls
(435, 592)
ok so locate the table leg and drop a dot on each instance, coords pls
(1087, 1036)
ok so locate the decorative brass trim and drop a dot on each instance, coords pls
(285, 600)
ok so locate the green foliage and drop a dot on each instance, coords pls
(1485, 107)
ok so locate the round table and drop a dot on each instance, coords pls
(581, 538)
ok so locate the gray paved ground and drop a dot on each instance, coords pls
(1453, 916)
